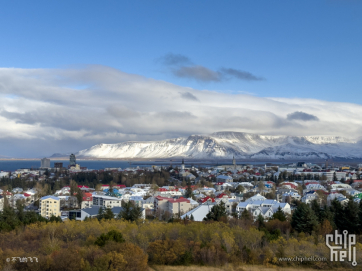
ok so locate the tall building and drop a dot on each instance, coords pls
(49, 205)
(45, 163)
(72, 160)
(183, 165)
(234, 163)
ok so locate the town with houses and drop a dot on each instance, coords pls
(188, 192)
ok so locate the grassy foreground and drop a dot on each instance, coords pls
(232, 268)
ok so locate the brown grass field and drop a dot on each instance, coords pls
(230, 268)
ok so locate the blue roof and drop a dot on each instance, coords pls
(49, 197)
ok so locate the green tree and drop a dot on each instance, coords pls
(360, 215)
(279, 214)
(54, 218)
(304, 219)
(217, 212)
(335, 177)
(245, 214)
(130, 211)
(351, 210)
(317, 210)
(73, 187)
(327, 214)
(240, 189)
(260, 221)
(339, 217)
(105, 213)
(108, 214)
(79, 196)
(188, 192)
(112, 235)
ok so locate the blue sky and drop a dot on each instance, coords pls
(306, 49)
(78, 73)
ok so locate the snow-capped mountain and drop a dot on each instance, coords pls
(229, 144)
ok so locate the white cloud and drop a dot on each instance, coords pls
(71, 109)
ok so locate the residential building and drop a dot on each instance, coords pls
(87, 200)
(106, 201)
(200, 212)
(93, 211)
(309, 197)
(339, 197)
(224, 179)
(171, 205)
(49, 205)
(258, 202)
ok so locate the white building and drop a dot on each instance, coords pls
(291, 196)
(106, 201)
(45, 163)
(224, 179)
(258, 204)
(200, 212)
(341, 198)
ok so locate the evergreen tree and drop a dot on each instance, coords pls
(217, 212)
(112, 235)
(245, 214)
(360, 215)
(54, 218)
(351, 211)
(317, 210)
(327, 214)
(279, 214)
(335, 177)
(188, 192)
(79, 195)
(108, 214)
(260, 221)
(192, 217)
(304, 219)
(130, 211)
(339, 217)
(100, 213)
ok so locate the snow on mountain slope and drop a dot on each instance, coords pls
(229, 144)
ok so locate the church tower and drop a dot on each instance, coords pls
(183, 164)
(234, 162)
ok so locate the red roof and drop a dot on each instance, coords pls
(291, 185)
(206, 199)
(222, 195)
(27, 195)
(89, 196)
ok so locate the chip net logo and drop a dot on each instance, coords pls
(344, 247)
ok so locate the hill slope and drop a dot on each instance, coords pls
(229, 144)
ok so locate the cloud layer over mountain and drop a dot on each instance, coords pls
(59, 110)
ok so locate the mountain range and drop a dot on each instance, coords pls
(232, 144)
